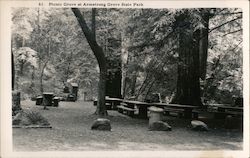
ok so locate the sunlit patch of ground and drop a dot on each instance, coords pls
(71, 123)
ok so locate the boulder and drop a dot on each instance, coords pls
(159, 126)
(199, 125)
(101, 124)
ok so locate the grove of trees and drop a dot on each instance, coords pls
(186, 55)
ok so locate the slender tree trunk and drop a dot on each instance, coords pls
(21, 68)
(99, 54)
(68, 68)
(144, 85)
(149, 89)
(133, 83)
(125, 62)
(43, 68)
(41, 76)
(32, 79)
(13, 70)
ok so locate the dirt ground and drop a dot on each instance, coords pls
(71, 123)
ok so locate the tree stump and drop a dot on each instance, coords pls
(74, 90)
(39, 100)
(16, 102)
(55, 101)
(47, 99)
(66, 90)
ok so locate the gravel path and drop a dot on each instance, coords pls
(71, 123)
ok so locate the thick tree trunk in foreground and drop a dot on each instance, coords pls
(188, 83)
(203, 43)
(99, 54)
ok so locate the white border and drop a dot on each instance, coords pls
(6, 130)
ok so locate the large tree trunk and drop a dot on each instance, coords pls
(188, 83)
(203, 43)
(99, 54)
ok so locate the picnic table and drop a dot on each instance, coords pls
(130, 105)
(186, 109)
(142, 107)
(226, 109)
(114, 102)
(111, 103)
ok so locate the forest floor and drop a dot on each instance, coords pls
(71, 123)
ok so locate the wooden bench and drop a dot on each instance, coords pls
(126, 110)
(218, 114)
(235, 113)
(222, 115)
(179, 112)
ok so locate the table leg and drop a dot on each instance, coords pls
(143, 112)
(221, 113)
(188, 113)
(132, 106)
(221, 109)
(115, 105)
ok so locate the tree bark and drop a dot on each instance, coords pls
(203, 43)
(21, 67)
(93, 26)
(32, 79)
(133, 84)
(99, 54)
(188, 83)
(41, 76)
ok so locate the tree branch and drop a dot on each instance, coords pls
(236, 45)
(230, 13)
(232, 32)
(224, 24)
(90, 36)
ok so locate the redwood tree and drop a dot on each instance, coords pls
(100, 56)
(203, 42)
(188, 81)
